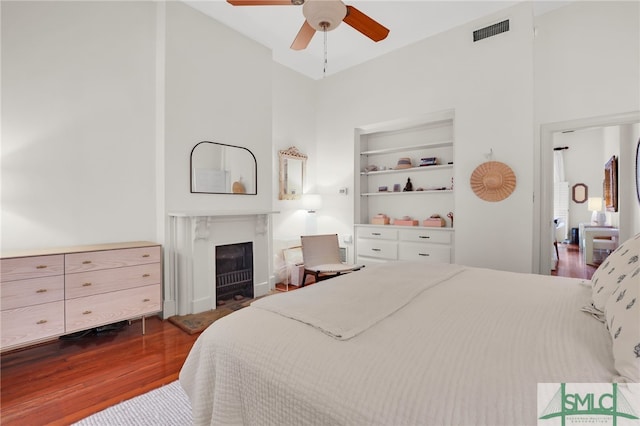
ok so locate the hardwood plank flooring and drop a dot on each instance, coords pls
(571, 264)
(63, 381)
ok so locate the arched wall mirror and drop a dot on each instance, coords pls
(218, 168)
(293, 166)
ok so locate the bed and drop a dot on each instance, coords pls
(413, 343)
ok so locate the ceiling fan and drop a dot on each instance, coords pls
(324, 15)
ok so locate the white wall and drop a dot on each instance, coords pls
(587, 61)
(78, 153)
(294, 124)
(218, 88)
(102, 104)
(489, 84)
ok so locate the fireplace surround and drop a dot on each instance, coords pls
(190, 256)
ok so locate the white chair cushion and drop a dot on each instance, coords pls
(332, 267)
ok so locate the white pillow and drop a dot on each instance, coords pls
(622, 315)
(614, 271)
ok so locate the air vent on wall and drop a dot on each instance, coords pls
(491, 30)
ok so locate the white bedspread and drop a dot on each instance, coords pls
(344, 309)
(468, 350)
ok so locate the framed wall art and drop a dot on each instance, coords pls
(611, 185)
(638, 170)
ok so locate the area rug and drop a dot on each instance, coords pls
(165, 406)
(196, 323)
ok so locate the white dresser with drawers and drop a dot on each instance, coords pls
(53, 292)
(383, 243)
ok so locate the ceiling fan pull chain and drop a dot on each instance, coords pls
(324, 70)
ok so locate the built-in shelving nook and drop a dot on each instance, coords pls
(388, 155)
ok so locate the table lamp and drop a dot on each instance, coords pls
(595, 206)
(311, 202)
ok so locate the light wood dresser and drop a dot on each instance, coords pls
(53, 292)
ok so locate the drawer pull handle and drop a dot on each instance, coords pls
(146, 275)
(375, 233)
(423, 236)
(41, 266)
(86, 312)
(86, 285)
(146, 255)
(146, 300)
(373, 249)
(86, 262)
(423, 254)
(42, 322)
(42, 290)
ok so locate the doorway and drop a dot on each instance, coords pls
(579, 157)
(544, 225)
(571, 263)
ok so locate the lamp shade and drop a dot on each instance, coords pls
(311, 202)
(594, 204)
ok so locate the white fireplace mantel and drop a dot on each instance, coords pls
(190, 255)
(220, 213)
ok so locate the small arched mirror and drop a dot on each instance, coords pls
(293, 166)
(579, 193)
(218, 168)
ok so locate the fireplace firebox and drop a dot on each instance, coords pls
(234, 271)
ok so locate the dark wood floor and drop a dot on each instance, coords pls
(571, 264)
(64, 381)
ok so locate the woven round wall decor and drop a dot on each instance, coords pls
(493, 181)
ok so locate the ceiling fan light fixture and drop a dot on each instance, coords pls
(324, 15)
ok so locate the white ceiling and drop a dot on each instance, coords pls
(408, 21)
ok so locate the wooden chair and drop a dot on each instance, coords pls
(559, 226)
(321, 256)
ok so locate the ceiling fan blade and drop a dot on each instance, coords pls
(260, 2)
(304, 37)
(366, 25)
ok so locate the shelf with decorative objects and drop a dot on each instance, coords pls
(410, 193)
(412, 169)
(396, 149)
(412, 161)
